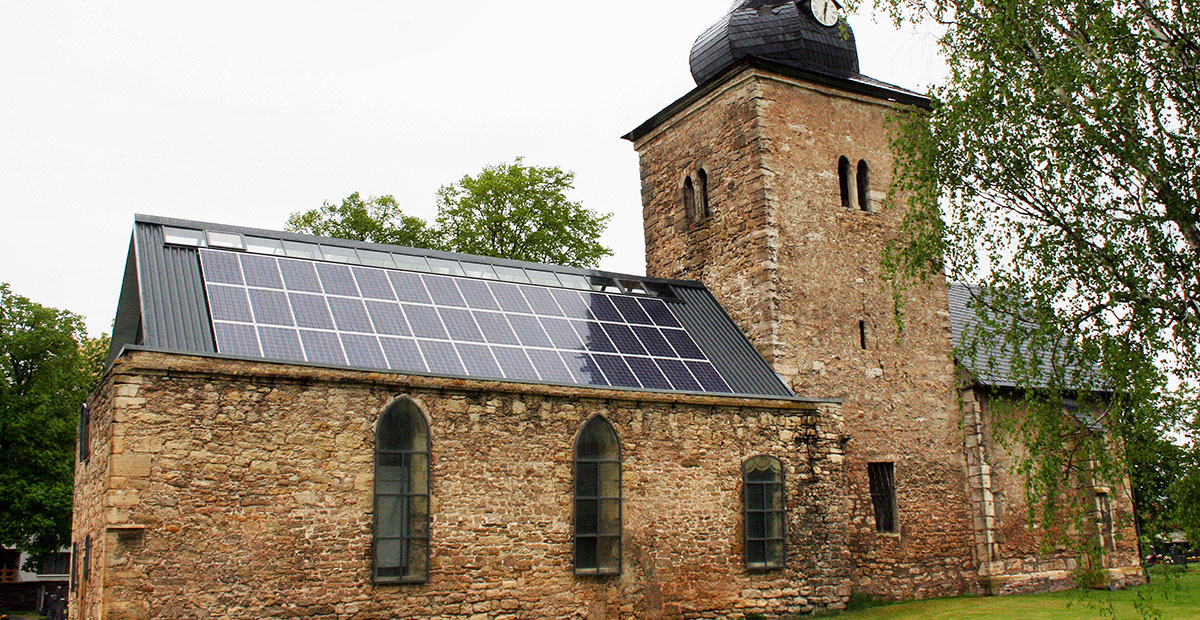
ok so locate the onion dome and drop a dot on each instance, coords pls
(783, 31)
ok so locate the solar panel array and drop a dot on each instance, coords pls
(367, 317)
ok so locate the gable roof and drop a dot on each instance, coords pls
(212, 289)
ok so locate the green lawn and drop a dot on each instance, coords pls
(1173, 598)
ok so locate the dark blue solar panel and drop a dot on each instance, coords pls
(541, 301)
(441, 357)
(602, 308)
(460, 325)
(616, 371)
(322, 347)
(387, 318)
(583, 368)
(408, 287)
(229, 303)
(221, 267)
(510, 297)
(623, 337)
(529, 330)
(270, 307)
(594, 336)
(349, 315)
(572, 304)
(363, 351)
(515, 364)
(233, 339)
(495, 328)
(299, 275)
(336, 280)
(683, 344)
(477, 294)
(678, 374)
(659, 312)
(261, 271)
(311, 310)
(424, 322)
(373, 283)
(280, 343)
(402, 354)
(562, 335)
(708, 377)
(478, 360)
(648, 373)
(550, 366)
(443, 291)
(631, 310)
(653, 341)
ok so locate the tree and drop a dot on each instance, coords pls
(521, 212)
(509, 210)
(1058, 169)
(47, 367)
(376, 219)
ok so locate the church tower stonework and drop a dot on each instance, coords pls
(768, 183)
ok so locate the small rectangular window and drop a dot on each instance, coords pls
(339, 254)
(604, 285)
(376, 259)
(574, 281)
(85, 422)
(862, 335)
(411, 263)
(54, 563)
(448, 267)
(883, 495)
(632, 286)
(1104, 505)
(511, 274)
(225, 240)
(183, 236)
(87, 558)
(479, 270)
(299, 249)
(74, 562)
(546, 278)
(259, 245)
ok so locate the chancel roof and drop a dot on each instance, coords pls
(210, 289)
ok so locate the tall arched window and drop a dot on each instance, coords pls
(689, 199)
(401, 494)
(864, 186)
(762, 479)
(702, 209)
(844, 180)
(598, 499)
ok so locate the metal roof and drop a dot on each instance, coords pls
(165, 300)
(780, 30)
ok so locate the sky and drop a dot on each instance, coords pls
(244, 112)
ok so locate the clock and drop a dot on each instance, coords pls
(826, 11)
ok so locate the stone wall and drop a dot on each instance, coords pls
(244, 490)
(798, 272)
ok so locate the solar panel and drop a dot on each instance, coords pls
(376, 317)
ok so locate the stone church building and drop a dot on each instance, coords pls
(302, 427)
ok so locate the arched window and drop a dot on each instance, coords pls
(689, 199)
(702, 209)
(844, 180)
(598, 499)
(762, 479)
(864, 186)
(401, 494)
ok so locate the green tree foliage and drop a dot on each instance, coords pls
(521, 212)
(47, 367)
(509, 210)
(1058, 167)
(375, 219)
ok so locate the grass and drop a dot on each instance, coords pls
(1172, 597)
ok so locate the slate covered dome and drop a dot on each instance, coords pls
(779, 30)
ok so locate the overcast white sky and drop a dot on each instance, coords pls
(243, 112)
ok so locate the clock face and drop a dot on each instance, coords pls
(825, 11)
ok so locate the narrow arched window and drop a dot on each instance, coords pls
(598, 499)
(762, 481)
(689, 199)
(401, 495)
(702, 194)
(844, 180)
(864, 186)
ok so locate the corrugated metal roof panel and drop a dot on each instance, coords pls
(174, 310)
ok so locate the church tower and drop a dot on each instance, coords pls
(768, 182)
